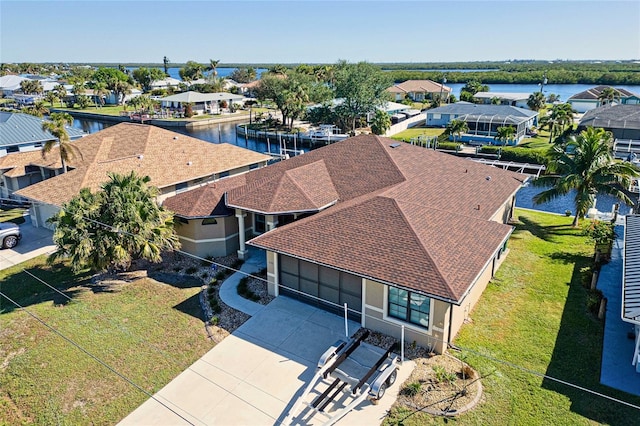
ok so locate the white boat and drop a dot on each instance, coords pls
(325, 133)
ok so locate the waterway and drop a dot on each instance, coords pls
(226, 133)
(222, 72)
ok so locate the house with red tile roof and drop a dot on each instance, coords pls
(405, 236)
(419, 90)
(173, 161)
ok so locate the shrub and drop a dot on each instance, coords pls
(237, 263)
(215, 305)
(244, 290)
(191, 270)
(214, 320)
(593, 301)
(221, 274)
(177, 269)
(207, 261)
(412, 389)
(518, 155)
(450, 146)
(213, 282)
(443, 376)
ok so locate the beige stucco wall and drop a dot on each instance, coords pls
(503, 213)
(375, 318)
(220, 239)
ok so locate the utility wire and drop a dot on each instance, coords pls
(165, 354)
(95, 358)
(566, 383)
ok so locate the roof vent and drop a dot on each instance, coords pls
(394, 145)
(488, 178)
(175, 137)
(189, 163)
(140, 156)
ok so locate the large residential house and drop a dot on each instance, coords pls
(589, 99)
(23, 132)
(419, 90)
(623, 121)
(405, 236)
(484, 121)
(173, 161)
(502, 98)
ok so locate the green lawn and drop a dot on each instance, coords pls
(148, 331)
(12, 215)
(417, 131)
(533, 314)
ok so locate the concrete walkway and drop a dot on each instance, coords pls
(228, 293)
(617, 349)
(34, 242)
(256, 374)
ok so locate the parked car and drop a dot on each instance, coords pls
(9, 234)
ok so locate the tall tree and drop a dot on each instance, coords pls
(37, 109)
(505, 134)
(146, 76)
(51, 97)
(536, 101)
(108, 229)
(191, 71)
(362, 88)
(213, 67)
(61, 91)
(470, 89)
(455, 128)
(381, 122)
(58, 130)
(589, 170)
(100, 92)
(166, 62)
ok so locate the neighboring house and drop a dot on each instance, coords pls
(203, 103)
(513, 99)
(165, 83)
(483, 120)
(173, 161)
(419, 90)
(10, 84)
(403, 235)
(23, 132)
(588, 100)
(623, 121)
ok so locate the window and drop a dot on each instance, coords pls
(408, 306)
(11, 149)
(223, 175)
(254, 166)
(260, 225)
(180, 219)
(436, 116)
(181, 186)
(209, 221)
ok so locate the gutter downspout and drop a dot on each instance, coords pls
(450, 322)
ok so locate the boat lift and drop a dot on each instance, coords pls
(347, 374)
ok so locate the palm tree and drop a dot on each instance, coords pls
(608, 95)
(213, 65)
(589, 170)
(57, 129)
(456, 128)
(536, 101)
(381, 122)
(560, 116)
(61, 92)
(166, 61)
(505, 134)
(100, 91)
(120, 87)
(38, 109)
(51, 97)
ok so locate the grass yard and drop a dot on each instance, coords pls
(148, 331)
(414, 132)
(533, 314)
(15, 215)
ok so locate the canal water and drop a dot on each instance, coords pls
(226, 133)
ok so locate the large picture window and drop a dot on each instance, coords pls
(408, 306)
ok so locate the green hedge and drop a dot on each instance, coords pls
(451, 146)
(519, 155)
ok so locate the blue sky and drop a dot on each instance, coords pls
(317, 31)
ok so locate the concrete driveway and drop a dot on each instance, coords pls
(34, 242)
(255, 375)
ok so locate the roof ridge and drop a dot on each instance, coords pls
(422, 245)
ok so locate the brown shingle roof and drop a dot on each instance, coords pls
(208, 200)
(407, 216)
(426, 86)
(165, 156)
(594, 93)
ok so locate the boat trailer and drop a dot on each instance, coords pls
(347, 374)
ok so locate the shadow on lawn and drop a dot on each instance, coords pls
(545, 233)
(576, 358)
(27, 290)
(191, 306)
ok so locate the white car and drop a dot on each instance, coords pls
(9, 234)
